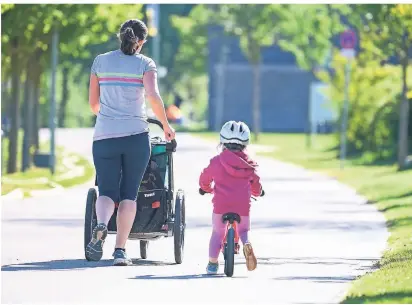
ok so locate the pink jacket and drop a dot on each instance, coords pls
(235, 180)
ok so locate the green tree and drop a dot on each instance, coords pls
(189, 73)
(308, 32)
(256, 26)
(192, 32)
(170, 41)
(78, 26)
(386, 31)
(88, 27)
(373, 94)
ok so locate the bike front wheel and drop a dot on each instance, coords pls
(230, 253)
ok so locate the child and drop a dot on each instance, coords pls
(235, 180)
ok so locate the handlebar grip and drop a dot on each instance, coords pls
(174, 144)
(158, 123)
(201, 192)
(262, 193)
(155, 122)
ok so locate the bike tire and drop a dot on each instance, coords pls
(144, 245)
(230, 253)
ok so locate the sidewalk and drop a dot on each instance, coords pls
(312, 237)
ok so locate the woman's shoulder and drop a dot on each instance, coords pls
(118, 52)
(109, 53)
(146, 59)
(149, 63)
(103, 57)
(143, 57)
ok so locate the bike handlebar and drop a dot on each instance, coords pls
(202, 192)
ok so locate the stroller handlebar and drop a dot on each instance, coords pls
(158, 123)
(155, 122)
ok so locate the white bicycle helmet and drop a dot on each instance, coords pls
(235, 133)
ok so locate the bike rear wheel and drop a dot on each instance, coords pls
(230, 253)
(144, 244)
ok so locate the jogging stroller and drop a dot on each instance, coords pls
(160, 212)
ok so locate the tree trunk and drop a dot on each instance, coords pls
(256, 100)
(27, 121)
(36, 111)
(65, 98)
(37, 72)
(403, 122)
(14, 109)
(371, 144)
(5, 105)
(4, 96)
(403, 115)
(254, 59)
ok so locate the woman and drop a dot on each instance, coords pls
(119, 81)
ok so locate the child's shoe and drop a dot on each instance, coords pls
(212, 268)
(251, 261)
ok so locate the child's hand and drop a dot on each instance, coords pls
(201, 192)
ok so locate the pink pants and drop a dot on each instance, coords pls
(219, 233)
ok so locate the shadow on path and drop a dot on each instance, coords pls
(318, 279)
(75, 264)
(324, 261)
(55, 222)
(182, 277)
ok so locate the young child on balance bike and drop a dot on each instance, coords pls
(235, 181)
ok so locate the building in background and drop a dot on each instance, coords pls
(286, 90)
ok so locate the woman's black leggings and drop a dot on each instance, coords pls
(120, 165)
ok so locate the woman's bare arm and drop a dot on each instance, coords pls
(156, 102)
(153, 96)
(94, 94)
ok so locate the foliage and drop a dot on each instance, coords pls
(192, 32)
(255, 25)
(307, 31)
(383, 28)
(79, 26)
(27, 32)
(373, 95)
(193, 90)
(387, 32)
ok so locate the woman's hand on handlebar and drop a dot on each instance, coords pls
(169, 132)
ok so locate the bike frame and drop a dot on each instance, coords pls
(235, 227)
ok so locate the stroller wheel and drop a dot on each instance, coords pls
(144, 245)
(90, 219)
(179, 226)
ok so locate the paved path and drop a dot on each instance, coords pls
(312, 237)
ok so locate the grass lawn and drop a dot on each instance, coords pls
(71, 170)
(384, 186)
